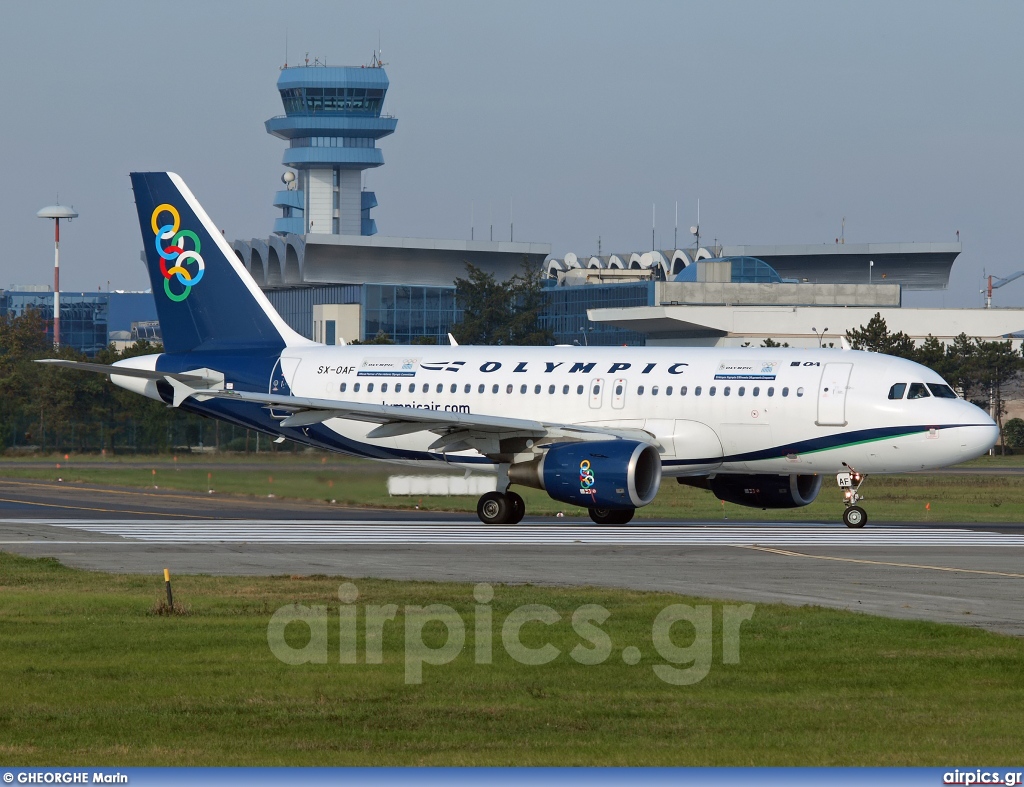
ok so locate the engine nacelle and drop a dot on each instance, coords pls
(766, 491)
(608, 474)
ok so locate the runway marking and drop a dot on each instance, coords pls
(141, 492)
(100, 510)
(787, 553)
(443, 533)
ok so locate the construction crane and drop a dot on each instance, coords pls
(994, 283)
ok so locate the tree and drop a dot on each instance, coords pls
(993, 365)
(876, 337)
(1013, 433)
(506, 313)
(382, 337)
(769, 342)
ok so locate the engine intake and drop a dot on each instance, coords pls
(608, 474)
(762, 491)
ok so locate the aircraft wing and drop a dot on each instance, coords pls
(457, 431)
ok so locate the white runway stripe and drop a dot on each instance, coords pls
(402, 532)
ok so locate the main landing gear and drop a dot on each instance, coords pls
(495, 508)
(849, 482)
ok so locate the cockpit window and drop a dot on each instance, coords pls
(942, 391)
(918, 391)
(897, 391)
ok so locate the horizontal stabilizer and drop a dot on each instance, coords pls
(126, 371)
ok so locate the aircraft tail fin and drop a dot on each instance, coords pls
(205, 298)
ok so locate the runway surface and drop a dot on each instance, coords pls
(963, 573)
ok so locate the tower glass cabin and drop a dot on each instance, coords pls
(332, 122)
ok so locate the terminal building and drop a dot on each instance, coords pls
(89, 321)
(335, 277)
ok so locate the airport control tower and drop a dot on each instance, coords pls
(332, 122)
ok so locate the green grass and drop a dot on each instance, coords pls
(938, 498)
(89, 674)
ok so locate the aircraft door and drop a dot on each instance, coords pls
(596, 393)
(284, 368)
(835, 378)
(619, 393)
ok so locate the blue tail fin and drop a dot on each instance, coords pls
(205, 298)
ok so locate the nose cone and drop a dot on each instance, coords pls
(977, 435)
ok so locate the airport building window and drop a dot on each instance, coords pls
(564, 313)
(897, 391)
(361, 100)
(332, 142)
(406, 313)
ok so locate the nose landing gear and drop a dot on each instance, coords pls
(849, 482)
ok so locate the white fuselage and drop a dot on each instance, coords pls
(772, 410)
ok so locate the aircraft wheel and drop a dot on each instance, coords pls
(606, 516)
(855, 516)
(517, 508)
(493, 509)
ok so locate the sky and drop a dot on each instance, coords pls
(782, 118)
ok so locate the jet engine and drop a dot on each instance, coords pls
(604, 474)
(761, 491)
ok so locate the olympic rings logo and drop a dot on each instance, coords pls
(177, 253)
(586, 475)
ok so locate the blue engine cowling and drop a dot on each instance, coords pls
(607, 474)
(766, 491)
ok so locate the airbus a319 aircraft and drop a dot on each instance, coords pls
(597, 427)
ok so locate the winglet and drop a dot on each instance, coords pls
(451, 340)
(844, 343)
